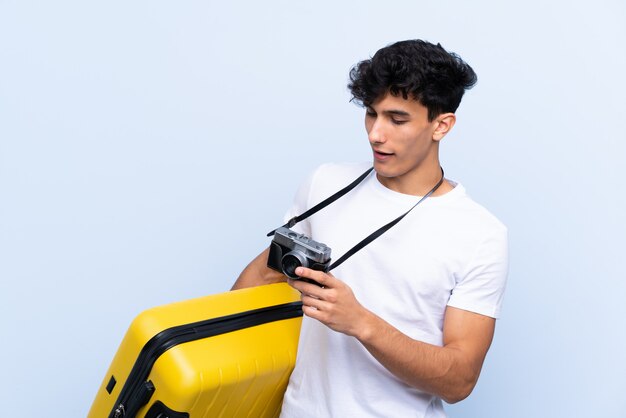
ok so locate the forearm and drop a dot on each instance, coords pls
(441, 371)
(257, 273)
(449, 372)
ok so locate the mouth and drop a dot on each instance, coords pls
(381, 155)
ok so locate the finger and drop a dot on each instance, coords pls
(324, 279)
(306, 288)
(312, 301)
(314, 313)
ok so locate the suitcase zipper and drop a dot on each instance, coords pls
(137, 390)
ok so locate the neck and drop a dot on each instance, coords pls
(416, 185)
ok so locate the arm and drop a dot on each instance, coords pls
(257, 273)
(449, 372)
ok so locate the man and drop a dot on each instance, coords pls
(407, 320)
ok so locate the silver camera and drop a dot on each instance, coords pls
(290, 250)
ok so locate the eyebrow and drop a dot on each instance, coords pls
(396, 112)
(393, 112)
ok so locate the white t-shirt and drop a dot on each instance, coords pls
(449, 251)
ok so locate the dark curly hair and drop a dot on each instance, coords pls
(428, 73)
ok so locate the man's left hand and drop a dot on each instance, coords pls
(332, 302)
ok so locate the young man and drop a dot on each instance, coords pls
(407, 320)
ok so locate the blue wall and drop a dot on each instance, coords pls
(146, 147)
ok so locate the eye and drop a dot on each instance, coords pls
(370, 113)
(398, 122)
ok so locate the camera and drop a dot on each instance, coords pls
(290, 250)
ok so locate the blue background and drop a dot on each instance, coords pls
(146, 147)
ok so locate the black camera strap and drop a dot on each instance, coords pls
(374, 234)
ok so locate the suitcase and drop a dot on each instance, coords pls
(225, 355)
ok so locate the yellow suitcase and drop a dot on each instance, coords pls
(226, 355)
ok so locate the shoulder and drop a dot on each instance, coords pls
(334, 176)
(339, 171)
(481, 214)
(325, 180)
(466, 215)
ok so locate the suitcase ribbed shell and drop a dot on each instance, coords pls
(240, 373)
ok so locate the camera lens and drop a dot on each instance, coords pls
(291, 261)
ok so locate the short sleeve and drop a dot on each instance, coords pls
(301, 204)
(481, 288)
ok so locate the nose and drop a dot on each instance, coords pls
(376, 133)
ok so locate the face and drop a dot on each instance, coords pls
(404, 142)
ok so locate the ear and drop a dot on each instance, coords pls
(443, 125)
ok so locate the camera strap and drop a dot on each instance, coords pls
(374, 234)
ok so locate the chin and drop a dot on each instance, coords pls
(385, 171)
